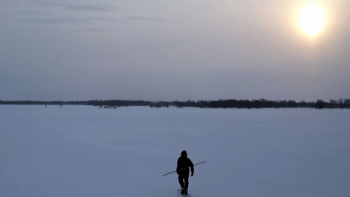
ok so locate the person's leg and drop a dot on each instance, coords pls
(186, 183)
(181, 181)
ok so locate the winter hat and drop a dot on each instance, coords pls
(184, 154)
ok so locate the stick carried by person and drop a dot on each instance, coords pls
(184, 168)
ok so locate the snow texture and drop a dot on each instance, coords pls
(84, 151)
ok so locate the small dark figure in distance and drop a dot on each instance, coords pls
(183, 170)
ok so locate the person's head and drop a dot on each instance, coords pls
(183, 153)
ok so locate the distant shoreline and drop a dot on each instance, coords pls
(230, 103)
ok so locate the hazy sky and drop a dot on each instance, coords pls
(171, 50)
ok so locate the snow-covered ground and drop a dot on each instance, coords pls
(84, 151)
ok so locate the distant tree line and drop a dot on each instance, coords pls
(99, 103)
(231, 103)
(263, 103)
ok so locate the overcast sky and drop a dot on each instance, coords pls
(171, 50)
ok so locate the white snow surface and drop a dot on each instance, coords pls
(84, 151)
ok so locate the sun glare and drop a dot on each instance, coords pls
(312, 20)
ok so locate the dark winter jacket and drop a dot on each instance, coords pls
(184, 162)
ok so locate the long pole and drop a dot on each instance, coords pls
(184, 168)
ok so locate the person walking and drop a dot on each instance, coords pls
(183, 170)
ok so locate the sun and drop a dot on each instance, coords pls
(312, 20)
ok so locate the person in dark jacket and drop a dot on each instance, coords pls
(183, 170)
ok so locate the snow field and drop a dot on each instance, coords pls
(85, 151)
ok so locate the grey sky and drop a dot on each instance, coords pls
(170, 50)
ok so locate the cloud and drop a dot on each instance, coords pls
(78, 6)
(145, 18)
(64, 13)
(94, 29)
(30, 13)
(92, 8)
(62, 20)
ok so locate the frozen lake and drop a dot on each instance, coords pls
(74, 151)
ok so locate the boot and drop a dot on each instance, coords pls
(183, 190)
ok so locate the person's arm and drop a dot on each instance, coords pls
(177, 167)
(192, 167)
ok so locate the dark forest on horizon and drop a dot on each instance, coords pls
(230, 103)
